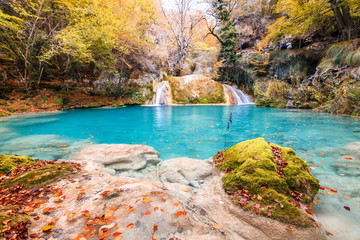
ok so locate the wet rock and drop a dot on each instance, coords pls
(178, 210)
(121, 157)
(260, 175)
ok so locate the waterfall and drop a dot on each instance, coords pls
(160, 94)
(240, 97)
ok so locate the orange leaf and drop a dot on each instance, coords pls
(147, 212)
(309, 211)
(179, 213)
(156, 208)
(217, 226)
(117, 234)
(315, 202)
(131, 225)
(112, 209)
(289, 228)
(176, 204)
(346, 196)
(330, 233)
(164, 198)
(131, 209)
(321, 153)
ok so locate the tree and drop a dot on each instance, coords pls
(303, 18)
(180, 21)
(26, 29)
(342, 15)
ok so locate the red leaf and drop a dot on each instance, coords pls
(309, 211)
(131, 225)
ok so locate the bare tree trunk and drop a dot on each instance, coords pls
(343, 17)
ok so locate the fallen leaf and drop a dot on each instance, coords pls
(289, 228)
(346, 196)
(131, 209)
(117, 234)
(147, 212)
(176, 204)
(330, 233)
(179, 213)
(309, 211)
(47, 228)
(217, 226)
(131, 225)
(347, 208)
(5, 222)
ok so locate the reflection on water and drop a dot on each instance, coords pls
(199, 132)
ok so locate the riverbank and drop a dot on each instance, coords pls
(179, 198)
(47, 100)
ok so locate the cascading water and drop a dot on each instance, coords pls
(160, 94)
(240, 97)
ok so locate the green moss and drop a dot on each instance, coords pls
(40, 177)
(251, 167)
(9, 163)
(200, 89)
(341, 54)
(15, 219)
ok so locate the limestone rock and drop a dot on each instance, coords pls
(178, 208)
(276, 174)
(352, 149)
(121, 157)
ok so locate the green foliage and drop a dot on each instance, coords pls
(286, 64)
(341, 54)
(273, 93)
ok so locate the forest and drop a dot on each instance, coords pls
(58, 54)
(179, 119)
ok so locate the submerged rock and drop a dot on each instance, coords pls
(121, 157)
(270, 180)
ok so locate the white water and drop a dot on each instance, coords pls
(240, 97)
(160, 92)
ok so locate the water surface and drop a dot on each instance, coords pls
(199, 132)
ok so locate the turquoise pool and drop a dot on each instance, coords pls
(199, 132)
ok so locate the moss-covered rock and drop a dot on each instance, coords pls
(40, 177)
(250, 166)
(10, 163)
(196, 89)
(15, 218)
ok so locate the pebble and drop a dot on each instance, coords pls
(70, 231)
